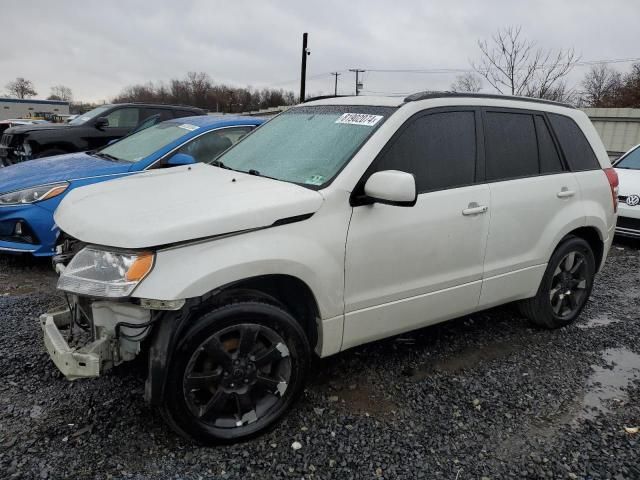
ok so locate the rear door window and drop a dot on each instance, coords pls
(511, 147)
(439, 149)
(184, 113)
(163, 114)
(576, 148)
(128, 117)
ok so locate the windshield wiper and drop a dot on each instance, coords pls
(106, 156)
(219, 163)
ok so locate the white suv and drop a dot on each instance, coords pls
(338, 222)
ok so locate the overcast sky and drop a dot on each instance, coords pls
(98, 47)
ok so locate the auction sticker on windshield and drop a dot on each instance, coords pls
(188, 126)
(359, 119)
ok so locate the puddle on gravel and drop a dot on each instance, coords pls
(363, 400)
(599, 321)
(607, 384)
(605, 388)
(463, 360)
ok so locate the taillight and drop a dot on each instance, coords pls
(612, 176)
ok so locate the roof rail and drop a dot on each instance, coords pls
(151, 104)
(434, 94)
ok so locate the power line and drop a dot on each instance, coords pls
(297, 79)
(441, 70)
(389, 94)
(469, 70)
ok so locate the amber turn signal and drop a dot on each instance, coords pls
(140, 267)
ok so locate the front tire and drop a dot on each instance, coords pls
(565, 287)
(235, 373)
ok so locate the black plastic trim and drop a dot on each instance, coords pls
(428, 95)
(277, 223)
(294, 219)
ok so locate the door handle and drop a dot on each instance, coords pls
(474, 209)
(565, 193)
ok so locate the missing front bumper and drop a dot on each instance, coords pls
(118, 330)
(74, 363)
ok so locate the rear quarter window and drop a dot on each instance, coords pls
(575, 146)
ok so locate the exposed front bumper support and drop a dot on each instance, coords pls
(72, 362)
(110, 347)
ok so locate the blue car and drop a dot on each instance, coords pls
(31, 191)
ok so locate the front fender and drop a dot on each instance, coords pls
(310, 250)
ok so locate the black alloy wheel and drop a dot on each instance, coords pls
(236, 372)
(565, 286)
(237, 375)
(569, 284)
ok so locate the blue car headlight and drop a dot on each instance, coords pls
(33, 194)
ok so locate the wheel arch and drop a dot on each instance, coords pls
(285, 291)
(593, 237)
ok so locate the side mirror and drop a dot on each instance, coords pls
(101, 122)
(180, 159)
(392, 187)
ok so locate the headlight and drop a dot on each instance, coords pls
(33, 194)
(100, 273)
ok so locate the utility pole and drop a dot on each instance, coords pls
(336, 74)
(358, 84)
(303, 73)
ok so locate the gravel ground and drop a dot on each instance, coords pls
(485, 396)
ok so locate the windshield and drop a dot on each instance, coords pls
(141, 144)
(306, 145)
(631, 160)
(85, 117)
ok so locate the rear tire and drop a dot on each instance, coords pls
(565, 286)
(235, 373)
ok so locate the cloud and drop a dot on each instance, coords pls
(97, 48)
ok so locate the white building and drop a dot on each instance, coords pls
(28, 108)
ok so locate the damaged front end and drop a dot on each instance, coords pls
(103, 325)
(99, 335)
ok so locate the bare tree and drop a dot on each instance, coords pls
(21, 88)
(600, 84)
(516, 66)
(467, 83)
(61, 92)
(198, 89)
(560, 92)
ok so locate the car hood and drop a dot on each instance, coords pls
(168, 206)
(35, 127)
(57, 169)
(629, 181)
